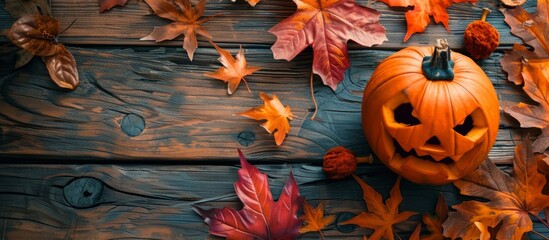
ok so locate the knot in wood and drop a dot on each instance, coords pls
(83, 192)
(246, 138)
(132, 125)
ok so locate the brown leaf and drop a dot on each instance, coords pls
(186, 22)
(380, 217)
(276, 115)
(105, 5)
(62, 69)
(535, 75)
(234, 70)
(530, 68)
(36, 34)
(327, 26)
(434, 222)
(314, 219)
(512, 199)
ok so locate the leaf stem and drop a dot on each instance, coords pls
(321, 235)
(313, 97)
(246, 83)
(540, 220)
(541, 235)
(398, 236)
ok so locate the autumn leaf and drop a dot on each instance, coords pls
(418, 18)
(530, 68)
(186, 22)
(434, 222)
(511, 199)
(233, 70)
(261, 217)
(314, 219)
(105, 5)
(276, 115)
(416, 233)
(37, 34)
(380, 217)
(327, 26)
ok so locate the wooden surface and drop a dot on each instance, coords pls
(150, 135)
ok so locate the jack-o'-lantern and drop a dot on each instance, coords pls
(430, 114)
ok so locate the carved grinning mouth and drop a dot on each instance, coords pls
(400, 150)
(403, 114)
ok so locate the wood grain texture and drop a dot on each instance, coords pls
(152, 104)
(154, 202)
(242, 24)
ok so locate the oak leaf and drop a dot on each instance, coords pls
(261, 217)
(38, 34)
(314, 219)
(233, 70)
(327, 26)
(186, 22)
(105, 5)
(530, 68)
(380, 217)
(511, 199)
(275, 113)
(418, 18)
(434, 222)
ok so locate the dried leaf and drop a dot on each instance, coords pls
(535, 74)
(276, 115)
(105, 5)
(260, 217)
(62, 69)
(530, 68)
(327, 26)
(511, 198)
(234, 70)
(186, 22)
(36, 34)
(418, 18)
(314, 218)
(434, 222)
(380, 217)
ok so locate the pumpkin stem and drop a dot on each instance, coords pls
(440, 65)
(485, 12)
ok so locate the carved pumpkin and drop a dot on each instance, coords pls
(432, 119)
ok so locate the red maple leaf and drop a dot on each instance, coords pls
(261, 217)
(327, 26)
(418, 18)
(105, 5)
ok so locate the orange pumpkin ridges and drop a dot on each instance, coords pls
(422, 123)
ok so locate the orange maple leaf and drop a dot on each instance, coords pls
(327, 26)
(530, 68)
(234, 70)
(418, 18)
(434, 222)
(186, 21)
(105, 5)
(512, 199)
(276, 115)
(380, 217)
(314, 219)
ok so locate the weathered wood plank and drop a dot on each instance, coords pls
(154, 202)
(189, 116)
(242, 24)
